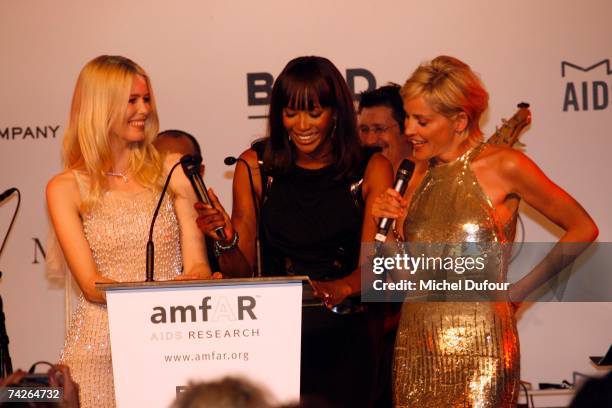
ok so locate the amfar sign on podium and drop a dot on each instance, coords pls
(163, 337)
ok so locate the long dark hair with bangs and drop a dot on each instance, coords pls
(304, 83)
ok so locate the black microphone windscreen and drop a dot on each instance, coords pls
(191, 164)
(230, 160)
(7, 193)
(405, 169)
(407, 165)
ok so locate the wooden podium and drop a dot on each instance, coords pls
(166, 334)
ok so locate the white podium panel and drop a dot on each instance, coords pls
(163, 337)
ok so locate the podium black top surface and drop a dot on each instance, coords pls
(200, 282)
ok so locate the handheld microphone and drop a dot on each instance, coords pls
(191, 167)
(404, 173)
(7, 193)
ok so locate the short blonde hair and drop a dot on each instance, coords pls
(99, 102)
(450, 87)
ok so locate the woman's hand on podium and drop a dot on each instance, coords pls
(332, 292)
(199, 272)
(187, 276)
(211, 217)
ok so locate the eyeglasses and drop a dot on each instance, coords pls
(377, 130)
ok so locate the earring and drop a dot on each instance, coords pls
(333, 132)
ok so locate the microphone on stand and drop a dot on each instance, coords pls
(7, 193)
(191, 167)
(150, 246)
(404, 173)
(6, 364)
(229, 161)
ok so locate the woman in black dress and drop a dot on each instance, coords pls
(313, 181)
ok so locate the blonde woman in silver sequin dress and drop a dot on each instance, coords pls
(101, 206)
(466, 354)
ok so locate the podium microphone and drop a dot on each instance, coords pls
(230, 161)
(191, 167)
(6, 365)
(4, 196)
(404, 173)
(7, 193)
(150, 245)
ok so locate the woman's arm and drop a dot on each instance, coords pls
(378, 177)
(195, 260)
(63, 201)
(240, 261)
(526, 180)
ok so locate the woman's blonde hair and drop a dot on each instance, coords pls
(450, 87)
(99, 102)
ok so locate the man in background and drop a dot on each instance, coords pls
(177, 141)
(381, 123)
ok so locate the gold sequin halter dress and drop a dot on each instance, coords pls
(117, 230)
(456, 354)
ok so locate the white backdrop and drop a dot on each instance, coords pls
(198, 55)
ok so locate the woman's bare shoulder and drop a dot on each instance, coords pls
(250, 156)
(378, 174)
(64, 187)
(379, 163)
(63, 182)
(507, 163)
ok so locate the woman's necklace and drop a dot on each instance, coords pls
(124, 176)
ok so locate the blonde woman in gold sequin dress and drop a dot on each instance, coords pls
(466, 354)
(101, 206)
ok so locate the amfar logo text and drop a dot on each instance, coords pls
(221, 308)
(588, 94)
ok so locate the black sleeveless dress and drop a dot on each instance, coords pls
(311, 225)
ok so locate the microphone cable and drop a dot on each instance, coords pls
(231, 160)
(150, 245)
(8, 231)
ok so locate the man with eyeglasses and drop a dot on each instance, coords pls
(381, 122)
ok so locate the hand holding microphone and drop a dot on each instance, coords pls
(391, 204)
(191, 168)
(213, 217)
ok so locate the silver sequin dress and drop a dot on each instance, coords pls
(117, 231)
